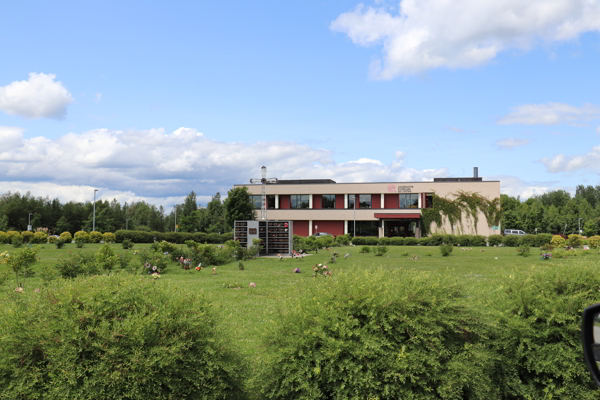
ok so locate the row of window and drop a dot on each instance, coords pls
(407, 200)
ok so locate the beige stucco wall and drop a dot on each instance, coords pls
(489, 189)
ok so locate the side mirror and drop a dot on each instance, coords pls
(590, 336)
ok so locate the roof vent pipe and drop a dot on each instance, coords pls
(475, 172)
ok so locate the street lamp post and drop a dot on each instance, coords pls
(29, 224)
(175, 217)
(579, 224)
(94, 216)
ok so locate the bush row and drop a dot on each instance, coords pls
(461, 240)
(418, 335)
(173, 237)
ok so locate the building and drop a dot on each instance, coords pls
(376, 209)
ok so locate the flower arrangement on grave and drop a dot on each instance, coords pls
(546, 256)
(321, 269)
(186, 263)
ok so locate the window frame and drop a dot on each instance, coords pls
(360, 201)
(329, 200)
(294, 199)
(415, 201)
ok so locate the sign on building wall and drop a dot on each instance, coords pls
(405, 189)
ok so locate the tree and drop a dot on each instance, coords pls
(238, 206)
(190, 205)
(62, 225)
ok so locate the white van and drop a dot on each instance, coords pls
(514, 232)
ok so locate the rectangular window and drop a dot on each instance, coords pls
(271, 201)
(351, 198)
(364, 201)
(364, 228)
(328, 201)
(428, 201)
(256, 199)
(299, 200)
(409, 200)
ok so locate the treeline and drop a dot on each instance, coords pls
(555, 212)
(111, 216)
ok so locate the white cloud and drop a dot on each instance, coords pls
(159, 167)
(428, 34)
(513, 186)
(562, 163)
(38, 97)
(511, 143)
(551, 114)
(10, 138)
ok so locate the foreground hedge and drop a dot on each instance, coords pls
(173, 237)
(379, 335)
(117, 337)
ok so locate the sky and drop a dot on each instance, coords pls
(152, 100)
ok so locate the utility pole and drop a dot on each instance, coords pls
(175, 217)
(94, 216)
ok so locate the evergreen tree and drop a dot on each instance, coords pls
(239, 206)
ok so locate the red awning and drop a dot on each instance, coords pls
(397, 216)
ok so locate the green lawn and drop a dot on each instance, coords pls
(246, 312)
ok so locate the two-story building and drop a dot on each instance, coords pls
(370, 209)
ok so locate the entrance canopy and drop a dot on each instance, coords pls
(397, 216)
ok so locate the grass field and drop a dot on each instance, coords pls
(246, 312)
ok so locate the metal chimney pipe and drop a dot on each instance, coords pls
(475, 172)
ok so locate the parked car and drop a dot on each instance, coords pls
(514, 232)
(322, 234)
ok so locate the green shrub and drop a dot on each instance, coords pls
(17, 241)
(574, 240)
(153, 261)
(52, 239)
(529, 240)
(523, 250)
(39, 237)
(59, 243)
(478, 240)
(396, 241)
(410, 241)
(79, 244)
(495, 240)
(343, 240)
(66, 236)
(446, 250)
(380, 250)
(26, 236)
(113, 337)
(365, 249)
(464, 240)
(127, 244)
(3, 237)
(542, 239)
(558, 241)
(370, 334)
(95, 237)
(82, 237)
(383, 241)
(10, 235)
(436, 239)
(106, 258)
(365, 241)
(594, 242)
(450, 239)
(511, 240)
(537, 332)
(424, 241)
(109, 237)
(80, 263)
(21, 263)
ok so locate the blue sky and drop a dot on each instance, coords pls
(150, 100)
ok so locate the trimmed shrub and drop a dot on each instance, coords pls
(464, 240)
(383, 241)
(424, 241)
(529, 240)
(371, 334)
(446, 250)
(558, 241)
(542, 239)
(39, 237)
(82, 237)
(365, 240)
(113, 337)
(437, 240)
(574, 240)
(511, 240)
(478, 240)
(26, 235)
(59, 243)
(343, 240)
(109, 237)
(66, 236)
(396, 241)
(450, 239)
(10, 235)
(410, 241)
(52, 239)
(95, 237)
(537, 331)
(594, 242)
(3, 237)
(365, 249)
(495, 240)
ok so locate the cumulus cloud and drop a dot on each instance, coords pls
(156, 166)
(10, 138)
(38, 97)
(513, 186)
(511, 143)
(551, 114)
(562, 163)
(427, 34)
